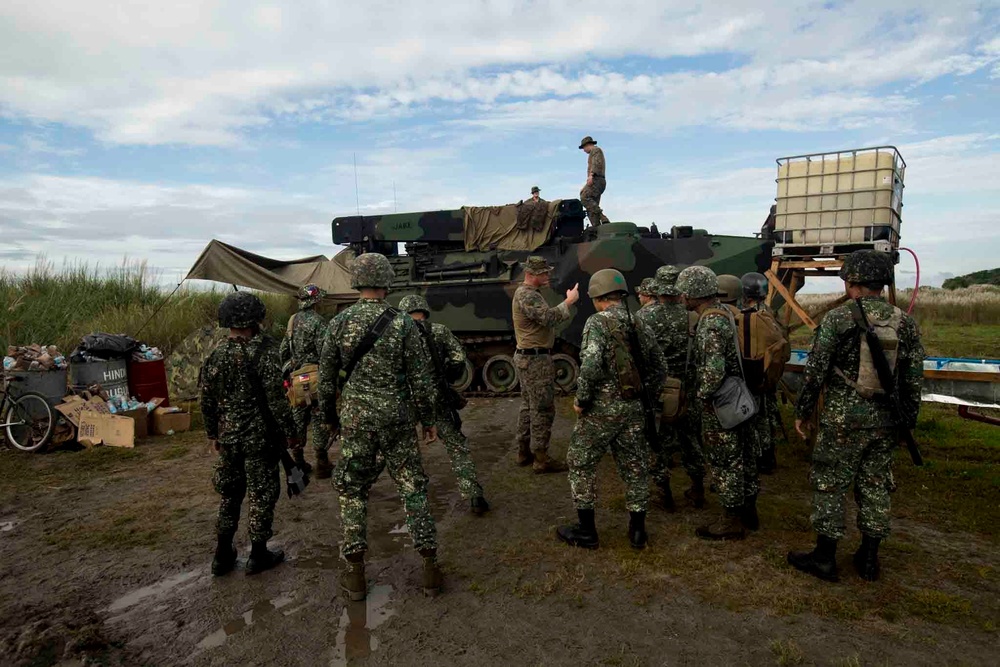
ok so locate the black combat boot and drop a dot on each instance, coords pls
(637, 536)
(728, 526)
(432, 577)
(261, 559)
(750, 519)
(299, 457)
(696, 494)
(667, 496)
(324, 469)
(768, 463)
(352, 580)
(225, 556)
(583, 534)
(866, 560)
(480, 506)
(820, 562)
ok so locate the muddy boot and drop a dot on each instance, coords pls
(324, 469)
(352, 580)
(480, 506)
(261, 559)
(728, 526)
(820, 562)
(767, 464)
(637, 536)
(225, 556)
(750, 519)
(866, 558)
(524, 456)
(298, 455)
(432, 577)
(544, 464)
(696, 494)
(583, 534)
(667, 496)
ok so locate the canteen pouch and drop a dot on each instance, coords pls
(672, 401)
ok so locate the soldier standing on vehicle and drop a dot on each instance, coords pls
(858, 434)
(536, 194)
(609, 408)
(716, 356)
(388, 387)
(590, 194)
(301, 346)
(240, 376)
(685, 434)
(448, 359)
(534, 329)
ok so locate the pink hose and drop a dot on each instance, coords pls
(916, 286)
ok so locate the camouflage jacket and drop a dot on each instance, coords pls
(535, 319)
(714, 356)
(229, 402)
(669, 324)
(392, 384)
(837, 344)
(597, 389)
(596, 164)
(306, 343)
(449, 350)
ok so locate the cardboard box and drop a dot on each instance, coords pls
(112, 430)
(170, 419)
(141, 418)
(73, 406)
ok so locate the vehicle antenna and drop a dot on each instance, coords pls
(357, 197)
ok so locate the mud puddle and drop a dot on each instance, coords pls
(255, 614)
(129, 603)
(355, 640)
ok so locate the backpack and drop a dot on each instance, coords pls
(626, 370)
(887, 330)
(764, 348)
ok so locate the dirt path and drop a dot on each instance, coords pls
(105, 555)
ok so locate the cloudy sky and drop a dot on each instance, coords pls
(145, 129)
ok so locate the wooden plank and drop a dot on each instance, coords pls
(809, 264)
(790, 300)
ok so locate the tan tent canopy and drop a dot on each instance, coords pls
(224, 263)
(499, 227)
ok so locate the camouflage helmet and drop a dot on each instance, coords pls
(730, 288)
(309, 295)
(371, 270)
(536, 265)
(413, 303)
(241, 310)
(647, 287)
(754, 285)
(666, 279)
(606, 281)
(698, 282)
(867, 266)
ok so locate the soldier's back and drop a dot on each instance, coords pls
(227, 376)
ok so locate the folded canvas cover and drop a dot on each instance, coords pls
(488, 227)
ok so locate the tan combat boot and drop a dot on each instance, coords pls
(728, 526)
(524, 455)
(544, 464)
(352, 580)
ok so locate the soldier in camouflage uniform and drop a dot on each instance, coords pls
(730, 290)
(715, 356)
(534, 329)
(590, 194)
(390, 389)
(754, 288)
(857, 435)
(448, 357)
(610, 410)
(685, 434)
(231, 382)
(303, 345)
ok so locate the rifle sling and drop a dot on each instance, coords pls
(371, 337)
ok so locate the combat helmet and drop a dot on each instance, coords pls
(754, 286)
(867, 266)
(666, 278)
(606, 281)
(371, 270)
(648, 287)
(698, 282)
(241, 310)
(413, 303)
(309, 295)
(730, 288)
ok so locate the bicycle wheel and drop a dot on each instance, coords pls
(29, 422)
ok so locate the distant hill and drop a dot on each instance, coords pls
(990, 277)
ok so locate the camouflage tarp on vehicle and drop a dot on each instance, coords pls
(496, 227)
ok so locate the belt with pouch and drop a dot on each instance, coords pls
(533, 351)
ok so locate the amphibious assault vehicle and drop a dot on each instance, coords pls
(467, 263)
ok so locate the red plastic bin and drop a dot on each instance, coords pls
(148, 380)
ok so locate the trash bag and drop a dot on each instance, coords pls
(104, 346)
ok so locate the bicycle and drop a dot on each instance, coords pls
(27, 420)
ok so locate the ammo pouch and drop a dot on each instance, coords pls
(303, 389)
(733, 402)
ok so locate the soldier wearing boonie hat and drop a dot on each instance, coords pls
(590, 193)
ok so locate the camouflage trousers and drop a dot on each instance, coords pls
(682, 435)
(363, 454)
(457, 446)
(623, 436)
(859, 456)
(256, 477)
(771, 418)
(732, 457)
(309, 422)
(537, 376)
(590, 197)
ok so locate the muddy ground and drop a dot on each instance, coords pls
(104, 559)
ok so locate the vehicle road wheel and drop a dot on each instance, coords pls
(29, 422)
(567, 372)
(499, 374)
(465, 381)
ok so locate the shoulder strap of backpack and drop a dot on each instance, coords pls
(728, 314)
(290, 333)
(371, 337)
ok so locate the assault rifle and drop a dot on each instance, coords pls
(448, 395)
(888, 382)
(648, 402)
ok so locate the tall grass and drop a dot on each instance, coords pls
(58, 306)
(979, 304)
